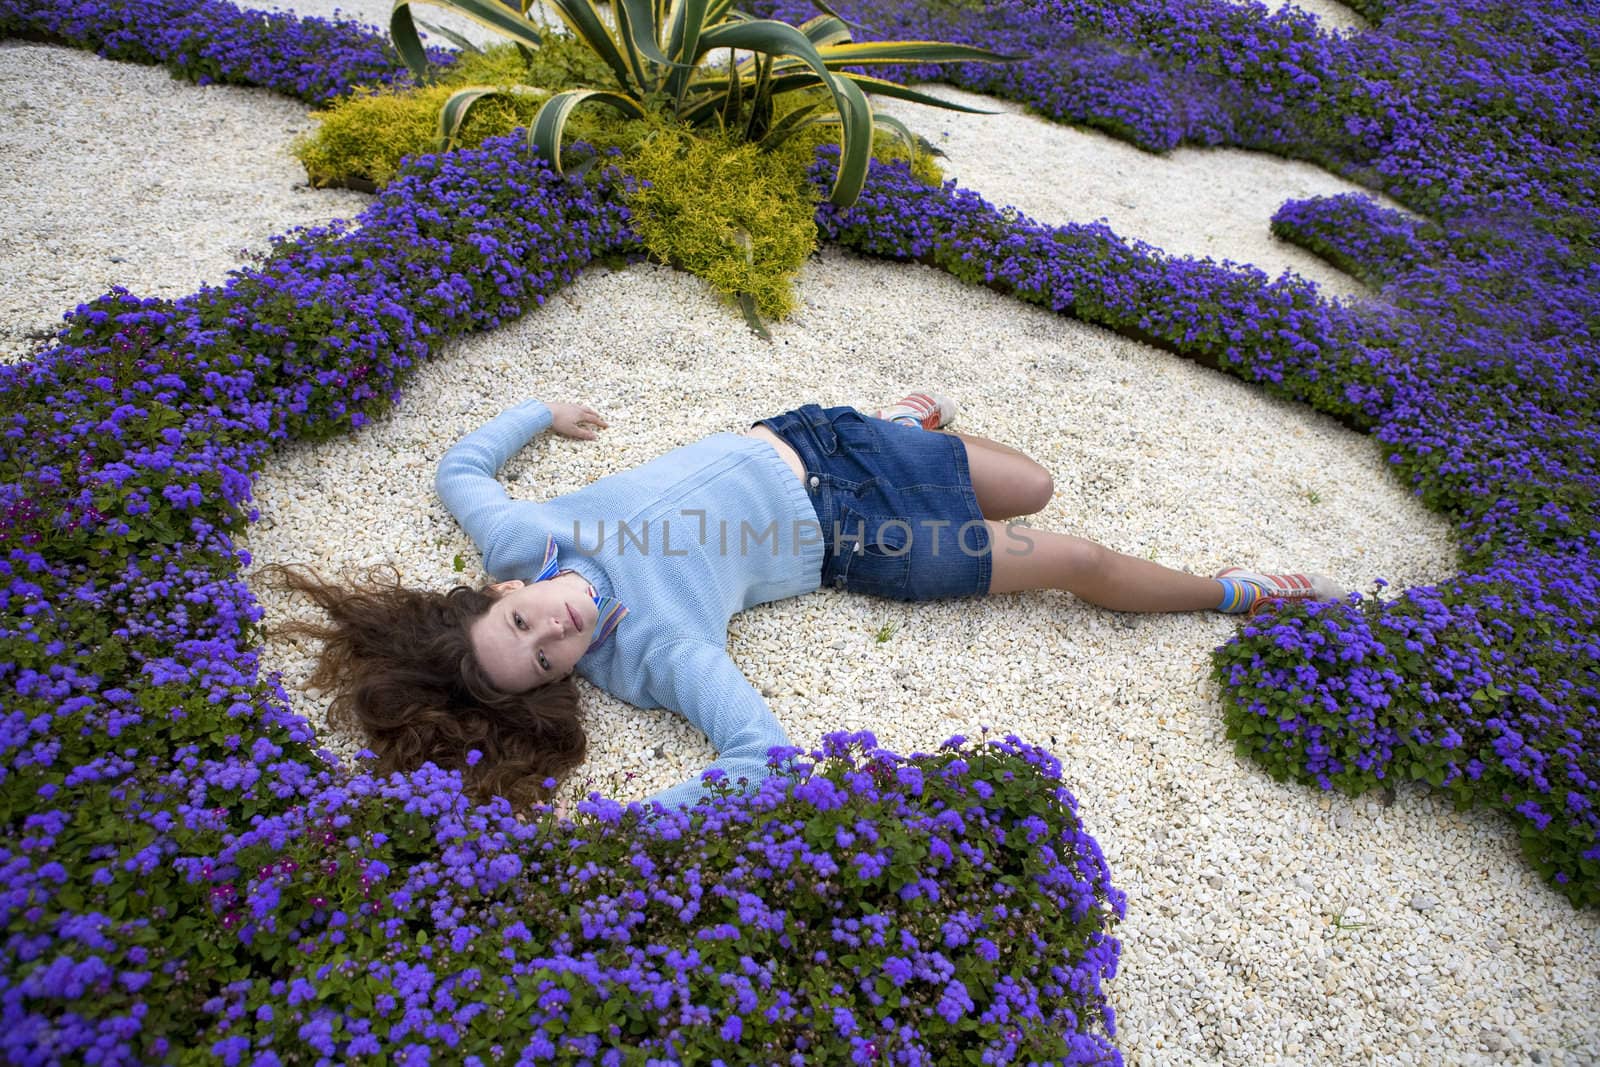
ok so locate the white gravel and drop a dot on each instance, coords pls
(1334, 17)
(1201, 202)
(175, 179)
(1267, 924)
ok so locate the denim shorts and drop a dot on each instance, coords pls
(898, 513)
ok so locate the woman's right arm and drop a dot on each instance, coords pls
(466, 479)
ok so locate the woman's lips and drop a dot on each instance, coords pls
(577, 624)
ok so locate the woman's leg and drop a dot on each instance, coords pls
(1025, 558)
(1007, 482)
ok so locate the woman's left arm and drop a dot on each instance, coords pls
(699, 681)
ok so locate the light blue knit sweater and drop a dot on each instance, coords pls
(684, 541)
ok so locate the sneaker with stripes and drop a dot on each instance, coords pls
(1246, 592)
(931, 411)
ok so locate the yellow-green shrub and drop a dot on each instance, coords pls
(742, 219)
(362, 138)
(886, 146)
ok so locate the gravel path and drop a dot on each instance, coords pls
(1201, 202)
(116, 174)
(1267, 924)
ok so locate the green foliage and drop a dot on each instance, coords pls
(742, 219)
(360, 139)
(737, 216)
(560, 63)
(1374, 11)
(666, 61)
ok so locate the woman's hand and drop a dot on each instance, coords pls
(568, 420)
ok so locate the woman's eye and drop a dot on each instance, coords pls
(544, 663)
(517, 619)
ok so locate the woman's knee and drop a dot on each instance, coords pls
(1026, 558)
(1035, 487)
(1085, 560)
(1007, 482)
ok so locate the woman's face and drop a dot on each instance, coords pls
(534, 634)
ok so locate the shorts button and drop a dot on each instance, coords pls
(860, 547)
(815, 481)
(838, 581)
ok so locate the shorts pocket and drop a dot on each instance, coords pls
(872, 554)
(856, 432)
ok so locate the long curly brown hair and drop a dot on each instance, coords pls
(401, 666)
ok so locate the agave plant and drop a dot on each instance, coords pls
(657, 52)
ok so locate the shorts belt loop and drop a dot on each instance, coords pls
(822, 430)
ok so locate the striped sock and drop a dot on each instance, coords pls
(1239, 595)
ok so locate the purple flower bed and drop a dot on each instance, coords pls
(1358, 236)
(186, 874)
(1065, 75)
(311, 59)
(1448, 105)
(180, 859)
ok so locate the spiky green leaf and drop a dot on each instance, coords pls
(545, 133)
(734, 97)
(762, 35)
(902, 131)
(686, 20)
(896, 91)
(452, 36)
(831, 13)
(636, 33)
(826, 30)
(790, 76)
(789, 125)
(491, 13)
(855, 142)
(403, 32)
(584, 21)
(752, 317)
(864, 53)
(455, 110)
(855, 114)
(760, 102)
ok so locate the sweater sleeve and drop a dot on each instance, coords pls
(466, 479)
(700, 682)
